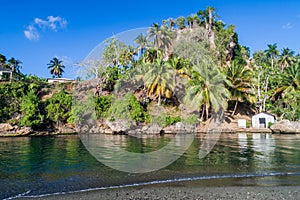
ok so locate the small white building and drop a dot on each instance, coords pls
(5, 72)
(262, 120)
(59, 80)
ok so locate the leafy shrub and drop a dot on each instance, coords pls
(30, 108)
(59, 107)
(127, 108)
(190, 119)
(102, 104)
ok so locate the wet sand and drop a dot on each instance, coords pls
(179, 192)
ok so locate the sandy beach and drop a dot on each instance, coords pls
(179, 192)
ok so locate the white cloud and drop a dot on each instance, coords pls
(287, 26)
(32, 32)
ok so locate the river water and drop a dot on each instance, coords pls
(37, 166)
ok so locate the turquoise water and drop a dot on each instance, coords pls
(45, 165)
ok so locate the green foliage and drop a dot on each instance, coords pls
(59, 107)
(110, 77)
(164, 120)
(190, 119)
(172, 120)
(11, 95)
(102, 104)
(30, 108)
(248, 124)
(270, 124)
(128, 108)
(56, 67)
(83, 109)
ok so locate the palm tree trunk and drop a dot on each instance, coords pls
(265, 96)
(235, 107)
(159, 99)
(202, 113)
(206, 108)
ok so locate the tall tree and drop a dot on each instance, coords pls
(56, 67)
(289, 80)
(2, 61)
(207, 90)
(240, 80)
(208, 18)
(162, 38)
(15, 65)
(180, 23)
(272, 53)
(141, 41)
(159, 80)
(286, 58)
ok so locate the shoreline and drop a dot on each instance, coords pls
(182, 192)
(226, 131)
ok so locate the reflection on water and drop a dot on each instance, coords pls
(42, 165)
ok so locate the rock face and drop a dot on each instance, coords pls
(5, 127)
(286, 127)
(118, 126)
(180, 127)
(9, 130)
(23, 131)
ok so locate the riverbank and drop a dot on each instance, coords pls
(279, 127)
(180, 192)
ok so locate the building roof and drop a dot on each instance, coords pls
(264, 113)
(2, 69)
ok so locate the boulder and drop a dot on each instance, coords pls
(23, 131)
(118, 126)
(6, 127)
(285, 126)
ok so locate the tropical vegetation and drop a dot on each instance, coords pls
(195, 62)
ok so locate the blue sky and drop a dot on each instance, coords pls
(35, 31)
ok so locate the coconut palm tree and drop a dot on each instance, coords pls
(289, 81)
(190, 20)
(239, 81)
(272, 53)
(162, 38)
(151, 55)
(141, 41)
(207, 90)
(155, 34)
(159, 80)
(208, 19)
(180, 22)
(286, 58)
(56, 67)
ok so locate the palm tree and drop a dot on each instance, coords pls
(208, 19)
(180, 22)
(151, 55)
(272, 53)
(154, 32)
(190, 20)
(141, 41)
(207, 90)
(239, 80)
(15, 66)
(289, 80)
(162, 37)
(56, 67)
(2, 60)
(159, 80)
(286, 58)
(171, 23)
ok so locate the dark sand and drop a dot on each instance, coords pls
(179, 192)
